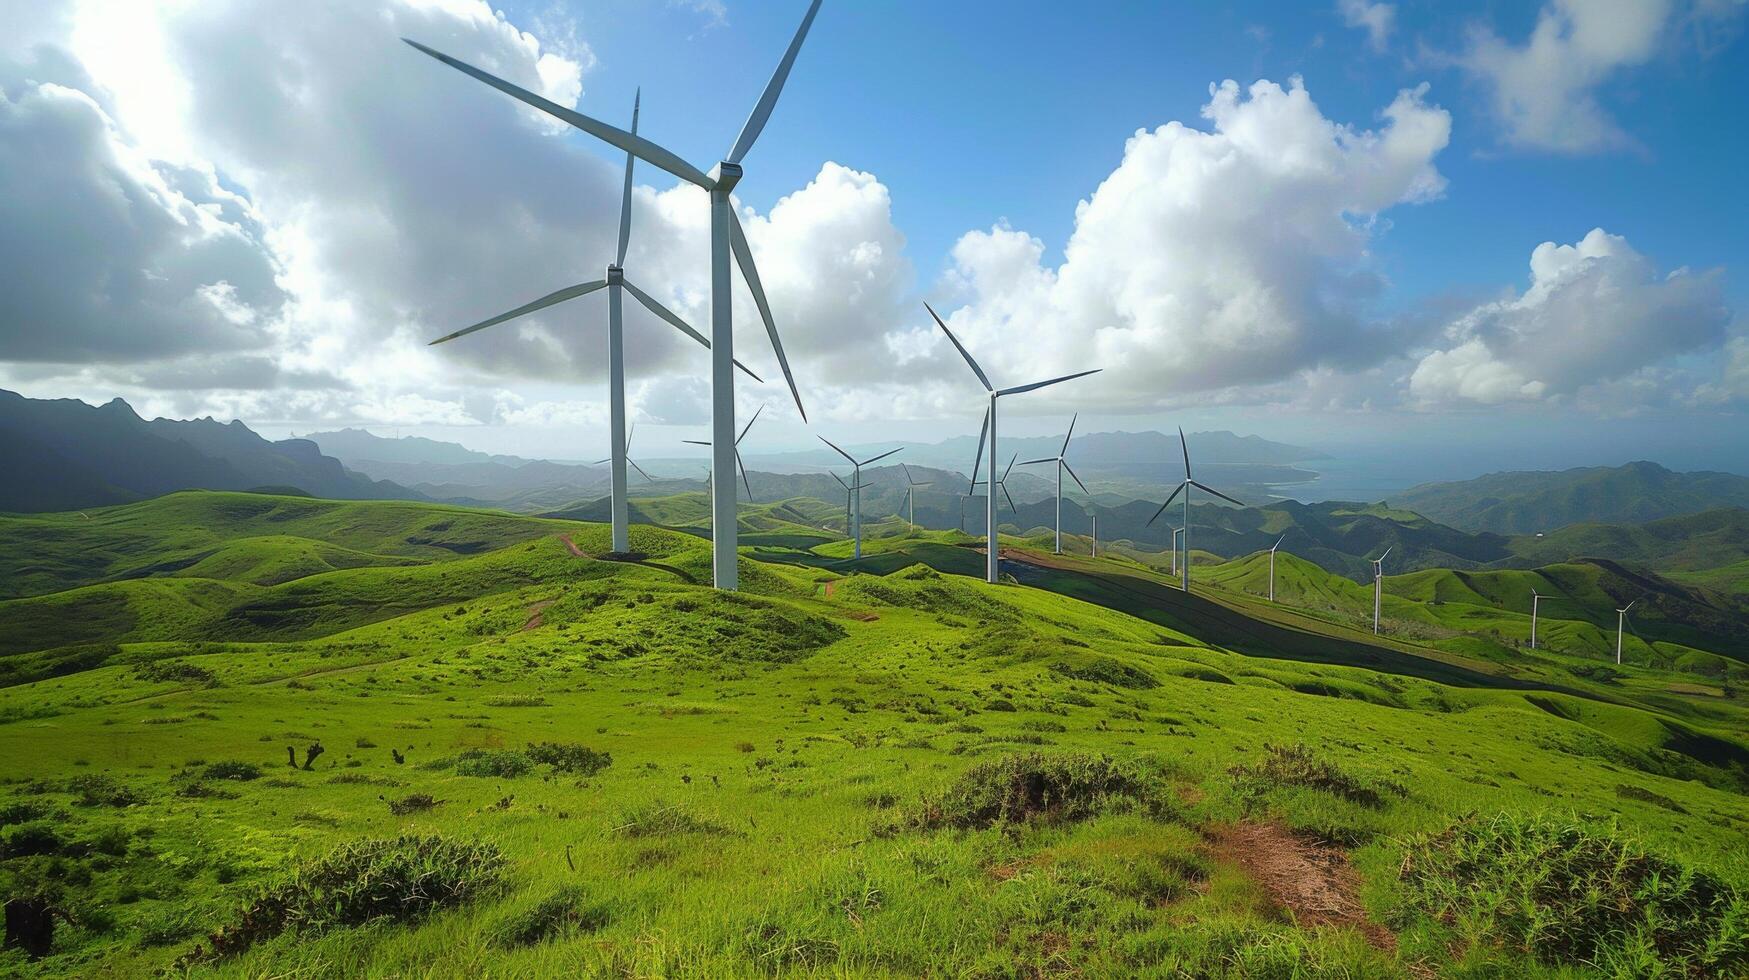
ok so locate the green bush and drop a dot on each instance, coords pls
(487, 763)
(1022, 788)
(567, 910)
(1297, 765)
(238, 771)
(402, 879)
(1571, 894)
(569, 757)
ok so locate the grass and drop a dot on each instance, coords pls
(835, 771)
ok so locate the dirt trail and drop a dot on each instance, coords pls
(1312, 881)
(534, 614)
(578, 552)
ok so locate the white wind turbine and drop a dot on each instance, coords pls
(993, 560)
(726, 237)
(1002, 483)
(613, 281)
(1378, 588)
(1272, 548)
(855, 488)
(738, 464)
(1095, 552)
(911, 494)
(1061, 459)
(1536, 599)
(1184, 488)
(1621, 619)
(627, 456)
(848, 490)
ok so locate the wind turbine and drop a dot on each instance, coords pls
(1621, 619)
(1003, 483)
(855, 488)
(993, 560)
(1095, 517)
(726, 237)
(911, 493)
(1378, 588)
(1276, 545)
(847, 493)
(1535, 599)
(1184, 488)
(1062, 464)
(628, 455)
(737, 449)
(613, 281)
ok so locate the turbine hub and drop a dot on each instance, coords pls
(725, 176)
(615, 275)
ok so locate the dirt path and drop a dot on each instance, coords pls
(534, 614)
(1312, 881)
(576, 551)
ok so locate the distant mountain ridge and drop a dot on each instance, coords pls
(1529, 502)
(62, 454)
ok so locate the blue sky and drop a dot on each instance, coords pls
(1341, 258)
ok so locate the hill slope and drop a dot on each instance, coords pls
(1533, 502)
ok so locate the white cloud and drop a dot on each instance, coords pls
(1377, 19)
(1596, 312)
(1206, 260)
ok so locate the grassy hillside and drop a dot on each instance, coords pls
(535, 762)
(1690, 543)
(1532, 502)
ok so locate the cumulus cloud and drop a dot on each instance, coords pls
(1596, 312)
(1544, 91)
(1207, 259)
(1377, 19)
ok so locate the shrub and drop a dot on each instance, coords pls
(564, 911)
(1297, 765)
(239, 771)
(569, 757)
(658, 819)
(414, 803)
(501, 764)
(516, 701)
(173, 671)
(1022, 788)
(98, 790)
(1570, 894)
(402, 879)
(1104, 670)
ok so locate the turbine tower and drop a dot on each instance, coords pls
(1272, 548)
(1378, 588)
(740, 465)
(993, 560)
(726, 237)
(847, 493)
(628, 455)
(1095, 517)
(1536, 598)
(1061, 459)
(911, 493)
(1184, 488)
(855, 488)
(1621, 619)
(1175, 533)
(613, 280)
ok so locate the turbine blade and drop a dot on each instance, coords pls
(962, 349)
(767, 101)
(1216, 493)
(696, 442)
(648, 151)
(840, 452)
(1018, 389)
(1011, 506)
(1278, 541)
(625, 201)
(881, 456)
(840, 480)
(1382, 557)
(629, 434)
(1010, 468)
(749, 425)
(600, 461)
(1186, 447)
(743, 468)
(978, 460)
(744, 259)
(1069, 435)
(1077, 479)
(1167, 504)
(1046, 459)
(550, 299)
(908, 481)
(679, 324)
(640, 469)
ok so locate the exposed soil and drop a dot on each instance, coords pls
(1312, 881)
(534, 614)
(572, 545)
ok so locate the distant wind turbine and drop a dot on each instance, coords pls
(1272, 548)
(856, 486)
(1003, 483)
(993, 560)
(911, 493)
(1184, 488)
(1378, 588)
(1095, 518)
(737, 450)
(1621, 619)
(628, 455)
(726, 237)
(847, 493)
(1535, 600)
(613, 281)
(1061, 459)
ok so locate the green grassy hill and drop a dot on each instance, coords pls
(537, 762)
(1531, 502)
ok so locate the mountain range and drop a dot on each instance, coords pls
(1529, 502)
